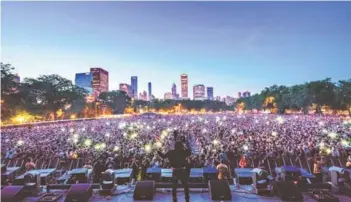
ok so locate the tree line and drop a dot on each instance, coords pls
(54, 97)
(302, 97)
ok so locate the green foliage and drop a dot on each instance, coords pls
(116, 100)
(301, 97)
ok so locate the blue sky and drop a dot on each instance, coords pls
(232, 46)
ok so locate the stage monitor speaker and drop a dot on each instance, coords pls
(11, 193)
(144, 190)
(79, 193)
(219, 190)
(287, 191)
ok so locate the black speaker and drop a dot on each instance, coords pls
(219, 190)
(287, 191)
(79, 193)
(144, 190)
(11, 193)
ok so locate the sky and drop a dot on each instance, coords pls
(231, 46)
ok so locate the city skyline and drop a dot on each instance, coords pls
(231, 46)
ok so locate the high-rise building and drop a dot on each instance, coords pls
(85, 80)
(239, 94)
(184, 85)
(210, 93)
(199, 92)
(100, 80)
(174, 91)
(168, 96)
(134, 84)
(218, 98)
(126, 88)
(149, 91)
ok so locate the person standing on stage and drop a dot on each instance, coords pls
(181, 171)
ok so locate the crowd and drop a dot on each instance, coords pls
(213, 138)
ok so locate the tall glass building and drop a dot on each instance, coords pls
(210, 93)
(85, 80)
(134, 84)
(149, 91)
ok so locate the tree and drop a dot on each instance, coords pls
(322, 92)
(344, 94)
(9, 92)
(116, 100)
(49, 93)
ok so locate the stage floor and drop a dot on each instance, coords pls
(125, 194)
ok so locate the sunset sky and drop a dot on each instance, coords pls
(232, 46)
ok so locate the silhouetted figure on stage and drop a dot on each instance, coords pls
(180, 167)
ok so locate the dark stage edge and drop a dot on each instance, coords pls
(196, 195)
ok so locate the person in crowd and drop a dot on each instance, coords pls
(243, 162)
(223, 171)
(212, 138)
(348, 163)
(29, 165)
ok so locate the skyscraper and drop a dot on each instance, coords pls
(100, 80)
(210, 93)
(134, 84)
(126, 88)
(85, 80)
(184, 85)
(149, 91)
(199, 92)
(174, 91)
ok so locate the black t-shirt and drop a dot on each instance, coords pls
(177, 158)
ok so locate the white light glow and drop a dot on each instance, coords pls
(280, 120)
(107, 134)
(121, 125)
(158, 144)
(103, 145)
(71, 130)
(87, 142)
(215, 142)
(134, 135)
(75, 136)
(116, 148)
(20, 142)
(246, 147)
(321, 123)
(332, 135)
(75, 140)
(274, 133)
(147, 148)
(204, 130)
(62, 129)
(344, 143)
(328, 151)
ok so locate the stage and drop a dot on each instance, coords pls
(125, 194)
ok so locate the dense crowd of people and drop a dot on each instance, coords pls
(213, 139)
